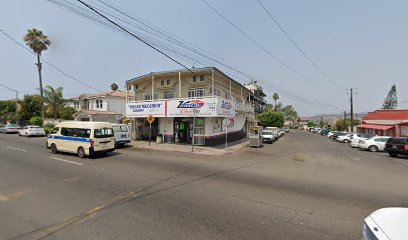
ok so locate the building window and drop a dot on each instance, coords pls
(191, 93)
(136, 86)
(99, 103)
(194, 78)
(217, 126)
(169, 95)
(147, 96)
(76, 105)
(217, 92)
(168, 82)
(199, 92)
(202, 78)
(162, 82)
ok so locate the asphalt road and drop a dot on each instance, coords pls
(302, 187)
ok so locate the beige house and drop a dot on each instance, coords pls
(100, 107)
(220, 106)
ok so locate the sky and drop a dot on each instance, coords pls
(359, 44)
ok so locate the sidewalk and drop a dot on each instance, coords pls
(186, 148)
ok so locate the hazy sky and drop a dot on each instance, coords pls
(360, 44)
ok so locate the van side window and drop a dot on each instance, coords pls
(123, 128)
(76, 132)
(54, 130)
(116, 128)
(103, 133)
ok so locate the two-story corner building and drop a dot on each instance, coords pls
(100, 107)
(258, 97)
(220, 106)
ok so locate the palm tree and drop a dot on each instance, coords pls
(275, 97)
(114, 86)
(54, 100)
(38, 42)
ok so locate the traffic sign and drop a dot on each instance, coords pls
(150, 119)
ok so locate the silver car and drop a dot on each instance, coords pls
(31, 130)
(11, 128)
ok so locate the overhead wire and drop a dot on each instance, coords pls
(47, 62)
(185, 55)
(297, 45)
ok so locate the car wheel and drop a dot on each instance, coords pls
(373, 148)
(346, 141)
(54, 149)
(81, 152)
(393, 154)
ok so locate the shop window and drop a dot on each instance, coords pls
(169, 95)
(217, 126)
(199, 127)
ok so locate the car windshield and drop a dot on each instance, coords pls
(267, 132)
(103, 133)
(11, 126)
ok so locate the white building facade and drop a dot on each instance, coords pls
(220, 106)
(100, 107)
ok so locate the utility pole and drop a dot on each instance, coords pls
(351, 109)
(344, 120)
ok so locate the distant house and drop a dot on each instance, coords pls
(386, 123)
(100, 107)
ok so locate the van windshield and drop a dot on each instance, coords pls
(103, 133)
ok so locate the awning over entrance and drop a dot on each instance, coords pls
(374, 126)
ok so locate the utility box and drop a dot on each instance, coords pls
(255, 136)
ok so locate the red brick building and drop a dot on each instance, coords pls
(386, 123)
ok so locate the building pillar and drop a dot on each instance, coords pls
(179, 83)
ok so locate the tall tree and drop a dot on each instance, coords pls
(289, 112)
(30, 107)
(114, 86)
(390, 102)
(38, 42)
(271, 119)
(275, 97)
(54, 100)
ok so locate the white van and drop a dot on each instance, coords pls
(275, 132)
(122, 135)
(82, 138)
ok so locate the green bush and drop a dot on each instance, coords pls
(36, 120)
(271, 119)
(48, 127)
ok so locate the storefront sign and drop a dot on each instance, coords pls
(225, 108)
(188, 108)
(144, 109)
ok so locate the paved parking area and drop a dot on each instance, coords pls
(304, 186)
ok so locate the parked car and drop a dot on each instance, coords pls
(268, 136)
(356, 137)
(344, 138)
(337, 134)
(31, 130)
(281, 132)
(317, 130)
(395, 146)
(373, 144)
(386, 223)
(330, 134)
(10, 128)
(324, 132)
(287, 130)
(275, 132)
(122, 134)
(1, 127)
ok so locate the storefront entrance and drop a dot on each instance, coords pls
(183, 130)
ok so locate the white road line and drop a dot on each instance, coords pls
(67, 161)
(18, 149)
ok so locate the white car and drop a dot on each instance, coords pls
(373, 144)
(344, 138)
(122, 134)
(386, 224)
(31, 130)
(330, 134)
(356, 137)
(268, 136)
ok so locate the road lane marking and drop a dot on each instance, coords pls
(18, 149)
(67, 161)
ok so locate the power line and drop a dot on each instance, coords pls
(297, 45)
(172, 39)
(260, 46)
(49, 63)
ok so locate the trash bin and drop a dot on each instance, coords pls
(159, 139)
